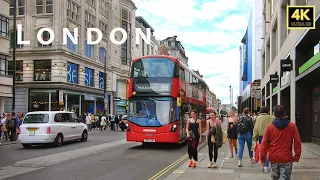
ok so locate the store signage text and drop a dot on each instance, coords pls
(72, 73)
(88, 77)
(101, 80)
(286, 65)
(274, 78)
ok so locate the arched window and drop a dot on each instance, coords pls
(102, 55)
(89, 49)
(45, 36)
(11, 40)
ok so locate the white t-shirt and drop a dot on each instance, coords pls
(88, 120)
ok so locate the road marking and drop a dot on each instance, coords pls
(178, 171)
(168, 168)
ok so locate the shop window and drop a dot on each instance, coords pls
(39, 101)
(88, 77)
(19, 70)
(42, 70)
(72, 73)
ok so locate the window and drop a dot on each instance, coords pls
(19, 70)
(187, 77)
(44, 6)
(88, 77)
(36, 118)
(146, 68)
(124, 45)
(72, 73)
(42, 70)
(4, 26)
(89, 20)
(152, 52)
(316, 49)
(73, 47)
(89, 49)
(103, 7)
(11, 40)
(3, 64)
(148, 49)
(62, 117)
(182, 74)
(104, 28)
(102, 55)
(20, 7)
(142, 47)
(91, 2)
(45, 36)
(73, 10)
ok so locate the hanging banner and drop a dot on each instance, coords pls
(61, 103)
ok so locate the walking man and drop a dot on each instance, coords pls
(277, 141)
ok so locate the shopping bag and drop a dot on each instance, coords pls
(257, 153)
(224, 136)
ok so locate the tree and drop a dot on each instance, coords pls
(234, 109)
(223, 112)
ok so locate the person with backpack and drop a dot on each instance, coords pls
(279, 138)
(245, 129)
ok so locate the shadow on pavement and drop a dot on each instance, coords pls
(162, 146)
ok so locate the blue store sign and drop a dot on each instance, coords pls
(72, 73)
(122, 103)
(88, 77)
(101, 80)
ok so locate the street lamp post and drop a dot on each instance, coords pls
(13, 136)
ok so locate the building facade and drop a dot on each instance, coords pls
(75, 69)
(214, 100)
(250, 59)
(5, 78)
(175, 49)
(144, 49)
(297, 89)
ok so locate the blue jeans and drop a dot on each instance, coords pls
(242, 138)
(267, 160)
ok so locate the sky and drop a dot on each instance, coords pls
(210, 31)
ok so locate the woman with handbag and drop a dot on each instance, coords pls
(214, 138)
(193, 129)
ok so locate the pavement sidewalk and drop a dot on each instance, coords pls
(307, 168)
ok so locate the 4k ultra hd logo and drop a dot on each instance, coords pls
(301, 17)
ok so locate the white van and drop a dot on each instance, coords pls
(51, 127)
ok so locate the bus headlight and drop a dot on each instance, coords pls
(173, 128)
(128, 128)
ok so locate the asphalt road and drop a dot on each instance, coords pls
(9, 154)
(132, 161)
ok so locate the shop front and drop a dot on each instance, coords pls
(68, 100)
(121, 97)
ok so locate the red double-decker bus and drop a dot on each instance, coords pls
(162, 93)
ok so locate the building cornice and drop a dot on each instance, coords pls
(129, 2)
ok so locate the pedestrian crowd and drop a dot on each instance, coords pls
(95, 121)
(271, 137)
(7, 125)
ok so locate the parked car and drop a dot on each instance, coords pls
(123, 122)
(55, 127)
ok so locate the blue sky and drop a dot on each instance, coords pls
(210, 31)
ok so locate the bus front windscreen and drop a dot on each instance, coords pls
(151, 112)
(153, 67)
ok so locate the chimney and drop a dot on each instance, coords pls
(175, 36)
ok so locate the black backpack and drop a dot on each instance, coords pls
(10, 123)
(243, 124)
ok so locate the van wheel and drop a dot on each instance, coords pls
(59, 140)
(27, 146)
(84, 136)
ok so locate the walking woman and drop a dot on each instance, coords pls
(193, 130)
(213, 139)
(232, 133)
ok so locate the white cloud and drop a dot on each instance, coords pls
(183, 12)
(226, 64)
(179, 14)
(234, 22)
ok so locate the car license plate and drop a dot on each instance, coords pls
(149, 140)
(32, 133)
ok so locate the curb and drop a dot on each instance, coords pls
(9, 143)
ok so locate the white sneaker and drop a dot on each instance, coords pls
(265, 169)
(240, 163)
(210, 165)
(252, 160)
(214, 165)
